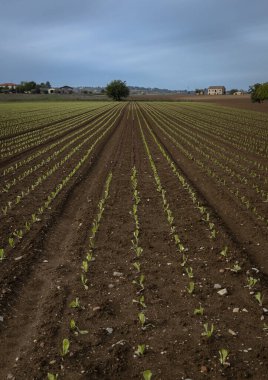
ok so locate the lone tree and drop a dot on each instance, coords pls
(259, 92)
(117, 89)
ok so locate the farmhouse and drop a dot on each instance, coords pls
(65, 90)
(216, 90)
(9, 86)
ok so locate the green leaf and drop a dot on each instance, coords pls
(50, 376)
(147, 375)
(140, 350)
(65, 347)
(223, 355)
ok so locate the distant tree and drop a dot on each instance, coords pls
(117, 90)
(48, 85)
(254, 91)
(232, 91)
(199, 91)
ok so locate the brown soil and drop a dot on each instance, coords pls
(41, 276)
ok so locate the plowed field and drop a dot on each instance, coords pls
(133, 241)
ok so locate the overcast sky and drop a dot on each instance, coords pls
(173, 44)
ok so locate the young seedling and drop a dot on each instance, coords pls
(140, 281)
(184, 260)
(142, 319)
(84, 281)
(190, 288)
(140, 301)
(11, 242)
(140, 350)
(224, 251)
(27, 226)
(236, 268)
(259, 298)
(85, 266)
(50, 376)
(251, 281)
(75, 304)
(147, 375)
(208, 331)
(213, 234)
(76, 329)
(138, 251)
(2, 254)
(199, 311)
(137, 266)
(181, 247)
(65, 347)
(223, 356)
(18, 234)
(189, 272)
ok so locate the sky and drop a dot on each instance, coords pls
(174, 44)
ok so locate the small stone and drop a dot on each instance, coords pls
(109, 330)
(217, 286)
(96, 308)
(265, 310)
(236, 310)
(18, 258)
(1, 318)
(223, 292)
(10, 377)
(232, 332)
(245, 310)
(117, 274)
(45, 261)
(110, 286)
(222, 270)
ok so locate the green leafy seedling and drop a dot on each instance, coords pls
(11, 242)
(259, 298)
(140, 350)
(236, 268)
(2, 254)
(65, 347)
(141, 302)
(189, 272)
(85, 266)
(224, 251)
(147, 375)
(137, 266)
(140, 281)
(252, 281)
(208, 331)
(184, 260)
(199, 311)
(190, 288)
(84, 281)
(76, 329)
(50, 376)
(142, 319)
(223, 356)
(75, 304)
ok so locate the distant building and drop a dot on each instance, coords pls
(216, 90)
(65, 90)
(238, 93)
(9, 86)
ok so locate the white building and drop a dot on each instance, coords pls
(216, 90)
(9, 86)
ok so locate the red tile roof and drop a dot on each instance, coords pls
(7, 84)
